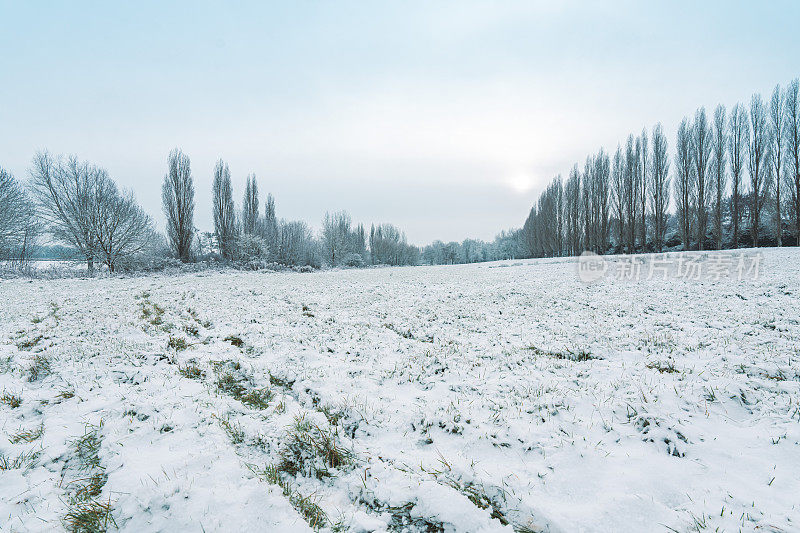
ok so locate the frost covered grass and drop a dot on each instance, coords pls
(27, 435)
(23, 460)
(460, 398)
(87, 511)
(312, 450)
(11, 400)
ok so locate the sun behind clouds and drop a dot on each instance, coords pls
(520, 182)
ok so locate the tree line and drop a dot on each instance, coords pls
(79, 205)
(734, 180)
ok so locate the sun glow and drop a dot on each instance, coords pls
(520, 183)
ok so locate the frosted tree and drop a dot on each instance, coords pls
(19, 225)
(388, 246)
(250, 207)
(777, 134)
(64, 192)
(658, 187)
(632, 178)
(572, 211)
(642, 189)
(122, 229)
(600, 200)
(585, 209)
(757, 162)
(718, 162)
(224, 211)
(360, 241)
(295, 244)
(543, 232)
(270, 228)
(738, 141)
(684, 181)
(792, 124)
(618, 179)
(558, 207)
(335, 236)
(701, 150)
(84, 208)
(177, 195)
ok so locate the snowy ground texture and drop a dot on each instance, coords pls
(491, 397)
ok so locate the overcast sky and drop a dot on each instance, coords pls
(445, 118)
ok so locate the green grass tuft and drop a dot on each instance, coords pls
(23, 461)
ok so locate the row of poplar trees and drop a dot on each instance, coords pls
(728, 171)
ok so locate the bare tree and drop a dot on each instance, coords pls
(12, 198)
(84, 208)
(224, 210)
(659, 187)
(177, 194)
(250, 207)
(270, 223)
(793, 152)
(542, 232)
(18, 222)
(558, 199)
(572, 211)
(702, 146)
(122, 229)
(738, 141)
(642, 191)
(335, 236)
(684, 181)
(618, 178)
(64, 192)
(777, 111)
(757, 162)
(600, 208)
(720, 144)
(631, 190)
(294, 244)
(585, 208)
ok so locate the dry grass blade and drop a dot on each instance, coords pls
(28, 435)
(89, 516)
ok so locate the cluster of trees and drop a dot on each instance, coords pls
(342, 243)
(388, 246)
(78, 205)
(506, 245)
(730, 169)
(248, 236)
(253, 237)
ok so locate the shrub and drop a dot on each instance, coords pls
(353, 260)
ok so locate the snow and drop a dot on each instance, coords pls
(448, 385)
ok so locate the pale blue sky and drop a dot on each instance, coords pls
(445, 118)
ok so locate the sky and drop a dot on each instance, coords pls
(444, 118)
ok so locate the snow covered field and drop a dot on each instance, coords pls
(490, 397)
